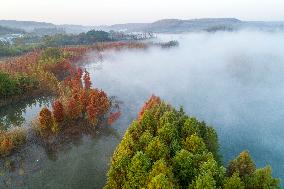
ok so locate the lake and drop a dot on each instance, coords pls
(234, 81)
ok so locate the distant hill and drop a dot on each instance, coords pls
(75, 29)
(195, 25)
(5, 30)
(128, 26)
(160, 26)
(174, 25)
(25, 25)
(42, 27)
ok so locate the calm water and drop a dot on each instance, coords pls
(20, 114)
(233, 81)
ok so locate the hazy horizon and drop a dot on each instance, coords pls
(94, 12)
(44, 21)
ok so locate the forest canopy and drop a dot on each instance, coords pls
(165, 148)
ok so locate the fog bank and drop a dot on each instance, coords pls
(233, 81)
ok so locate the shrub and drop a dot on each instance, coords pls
(8, 86)
(10, 140)
(50, 53)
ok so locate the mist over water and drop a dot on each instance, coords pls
(233, 81)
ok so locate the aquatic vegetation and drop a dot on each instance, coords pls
(41, 70)
(17, 84)
(165, 148)
(78, 102)
(36, 73)
(10, 140)
(32, 75)
(55, 72)
(77, 109)
(8, 85)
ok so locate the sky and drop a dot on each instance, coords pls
(101, 12)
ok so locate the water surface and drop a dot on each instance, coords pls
(233, 81)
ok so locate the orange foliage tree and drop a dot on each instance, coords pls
(113, 117)
(73, 109)
(154, 100)
(87, 80)
(45, 119)
(83, 99)
(6, 145)
(58, 111)
(98, 104)
(77, 102)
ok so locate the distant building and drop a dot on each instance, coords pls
(8, 38)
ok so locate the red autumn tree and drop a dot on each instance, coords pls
(154, 100)
(83, 98)
(76, 83)
(45, 119)
(91, 112)
(87, 80)
(73, 109)
(98, 104)
(79, 72)
(113, 117)
(58, 111)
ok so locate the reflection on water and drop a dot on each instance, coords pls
(75, 160)
(21, 113)
(78, 162)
